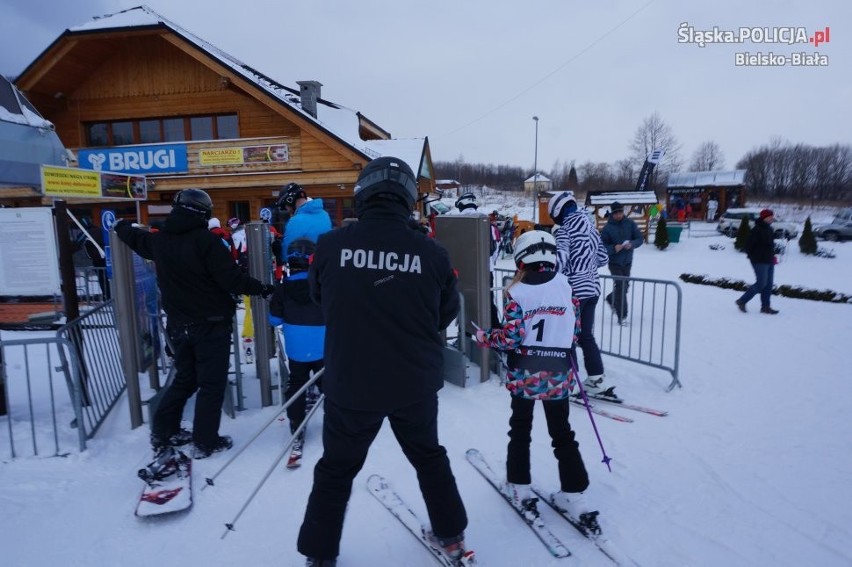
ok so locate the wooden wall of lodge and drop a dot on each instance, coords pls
(148, 77)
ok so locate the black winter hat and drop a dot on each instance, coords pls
(616, 207)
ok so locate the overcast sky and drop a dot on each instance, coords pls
(471, 74)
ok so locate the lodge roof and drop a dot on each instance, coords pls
(337, 120)
(731, 178)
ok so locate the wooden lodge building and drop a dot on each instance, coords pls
(695, 188)
(132, 92)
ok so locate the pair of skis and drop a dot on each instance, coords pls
(596, 409)
(556, 547)
(384, 493)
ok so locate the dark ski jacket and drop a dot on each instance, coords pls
(195, 273)
(616, 232)
(760, 244)
(387, 291)
(300, 318)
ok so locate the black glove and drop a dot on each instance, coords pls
(120, 221)
(266, 290)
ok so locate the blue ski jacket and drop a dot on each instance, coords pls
(310, 221)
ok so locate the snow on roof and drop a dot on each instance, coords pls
(707, 178)
(16, 108)
(624, 197)
(338, 120)
(541, 177)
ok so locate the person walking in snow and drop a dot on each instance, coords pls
(760, 247)
(197, 277)
(386, 291)
(303, 326)
(579, 255)
(621, 236)
(308, 218)
(541, 325)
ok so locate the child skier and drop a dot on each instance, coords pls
(540, 328)
(302, 323)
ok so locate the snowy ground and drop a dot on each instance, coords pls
(752, 466)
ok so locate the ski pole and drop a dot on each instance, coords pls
(230, 525)
(606, 460)
(300, 392)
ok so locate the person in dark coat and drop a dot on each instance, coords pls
(303, 326)
(197, 277)
(620, 235)
(387, 291)
(760, 248)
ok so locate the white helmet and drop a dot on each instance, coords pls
(558, 202)
(535, 246)
(466, 201)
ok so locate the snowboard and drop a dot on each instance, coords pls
(168, 485)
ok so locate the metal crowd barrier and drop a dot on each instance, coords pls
(652, 333)
(86, 353)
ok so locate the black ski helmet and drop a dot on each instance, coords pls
(300, 253)
(194, 201)
(389, 176)
(288, 196)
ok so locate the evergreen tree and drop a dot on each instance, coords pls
(808, 243)
(742, 235)
(661, 237)
(573, 183)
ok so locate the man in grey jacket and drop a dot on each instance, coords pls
(620, 236)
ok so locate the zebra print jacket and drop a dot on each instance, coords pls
(579, 254)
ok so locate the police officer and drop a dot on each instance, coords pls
(197, 277)
(386, 292)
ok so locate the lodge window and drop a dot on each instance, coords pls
(150, 132)
(156, 130)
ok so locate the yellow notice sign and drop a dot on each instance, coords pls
(220, 156)
(70, 182)
(248, 155)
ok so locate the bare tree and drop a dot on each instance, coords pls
(782, 169)
(653, 133)
(708, 157)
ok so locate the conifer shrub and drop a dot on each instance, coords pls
(742, 235)
(807, 242)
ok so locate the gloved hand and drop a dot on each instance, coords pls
(266, 290)
(120, 221)
(480, 336)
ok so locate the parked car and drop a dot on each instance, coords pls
(839, 229)
(729, 223)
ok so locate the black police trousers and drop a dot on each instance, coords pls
(347, 436)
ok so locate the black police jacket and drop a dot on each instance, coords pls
(386, 292)
(195, 272)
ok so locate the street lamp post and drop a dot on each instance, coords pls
(535, 172)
